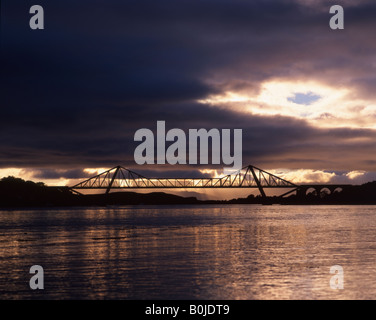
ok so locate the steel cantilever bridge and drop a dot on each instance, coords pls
(248, 177)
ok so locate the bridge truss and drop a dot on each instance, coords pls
(122, 178)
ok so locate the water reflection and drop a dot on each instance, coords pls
(190, 252)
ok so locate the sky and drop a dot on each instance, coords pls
(74, 93)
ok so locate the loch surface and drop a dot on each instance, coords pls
(189, 252)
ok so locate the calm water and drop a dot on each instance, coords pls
(189, 252)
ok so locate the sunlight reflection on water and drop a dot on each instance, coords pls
(189, 252)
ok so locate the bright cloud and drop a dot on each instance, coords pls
(355, 174)
(95, 171)
(16, 172)
(319, 104)
(29, 174)
(305, 176)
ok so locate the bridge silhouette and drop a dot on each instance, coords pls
(248, 177)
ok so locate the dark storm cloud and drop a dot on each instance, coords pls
(58, 174)
(74, 94)
(159, 172)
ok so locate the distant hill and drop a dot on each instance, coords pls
(16, 192)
